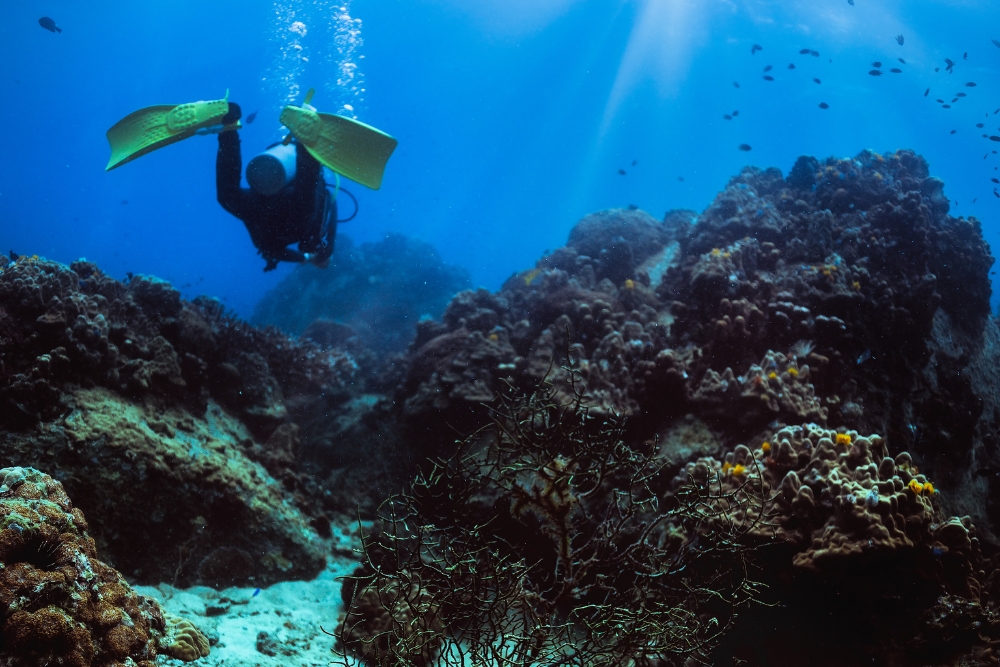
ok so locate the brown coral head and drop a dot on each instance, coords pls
(183, 640)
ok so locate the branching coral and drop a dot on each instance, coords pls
(609, 578)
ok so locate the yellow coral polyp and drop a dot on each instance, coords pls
(772, 376)
(739, 470)
(716, 252)
(494, 337)
(629, 284)
(843, 439)
(765, 447)
(794, 372)
(929, 489)
(856, 285)
(726, 467)
(530, 276)
(915, 486)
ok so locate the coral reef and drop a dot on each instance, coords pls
(59, 603)
(117, 388)
(371, 296)
(842, 294)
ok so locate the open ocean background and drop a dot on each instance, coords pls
(514, 117)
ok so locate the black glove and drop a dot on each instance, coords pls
(233, 115)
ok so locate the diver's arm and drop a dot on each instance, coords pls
(228, 165)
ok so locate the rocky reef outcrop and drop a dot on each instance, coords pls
(169, 421)
(843, 294)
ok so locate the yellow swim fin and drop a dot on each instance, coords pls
(346, 146)
(154, 127)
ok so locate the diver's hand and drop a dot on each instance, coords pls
(234, 114)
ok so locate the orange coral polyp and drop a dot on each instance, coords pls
(843, 439)
(915, 486)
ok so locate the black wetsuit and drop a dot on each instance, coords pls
(296, 214)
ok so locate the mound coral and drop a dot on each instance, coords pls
(60, 604)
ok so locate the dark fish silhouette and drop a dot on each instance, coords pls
(954, 131)
(927, 92)
(979, 125)
(791, 65)
(945, 106)
(994, 137)
(996, 112)
(621, 171)
(950, 64)
(876, 64)
(960, 95)
(767, 69)
(970, 84)
(896, 70)
(252, 117)
(755, 48)
(736, 112)
(954, 99)
(49, 24)
(635, 162)
(805, 52)
(965, 56)
(824, 105)
(768, 77)
(815, 54)
(727, 117)
(940, 101)
(995, 43)
(736, 84)
(995, 180)
(899, 39)
(850, 2)
(745, 147)
(901, 60)
(876, 72)
(680, 178)
(817, 81)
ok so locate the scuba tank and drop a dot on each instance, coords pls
(272, 170)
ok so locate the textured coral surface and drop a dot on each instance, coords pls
(59, 603)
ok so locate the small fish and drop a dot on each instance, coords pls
(768, 77)
(927, 92)
(876, 64)
(824, 105)
(864, 356)
(817, 81)
(960, 95)
(954, 99)
(896, 70)
(755, 48)
(621, 172)
(970, 84)
(974, 200)
(953, 131)
(736, 112)
(635, 162)
(979, 125)
(937, 69)
(940, 101)
(945, 106)
(996, 112)
(252, 117)
(994, 137)
(791, 65)
(767, 69)
(256, 592)
(680, 178)
(815, 54)
(901, 60)
(996, 194)
(950, 64)
(736, 84)
(850, 2)
(899, 39)
(995, 180)
(995, 43)
(49, 24)
(124, 201)
(727, 117)
(876, 72)
(965, 56)
(805, 52)
(745, 147)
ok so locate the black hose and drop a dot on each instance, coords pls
(354, 199)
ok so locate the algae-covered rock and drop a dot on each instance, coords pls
(176, 494)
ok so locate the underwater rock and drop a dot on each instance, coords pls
(378, 291)
(60, 604)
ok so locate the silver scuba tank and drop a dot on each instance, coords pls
(272, 170)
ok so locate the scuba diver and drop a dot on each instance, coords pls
(287, 201)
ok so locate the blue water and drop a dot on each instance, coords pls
(513, 116)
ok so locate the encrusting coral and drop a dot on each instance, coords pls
(59, 603)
